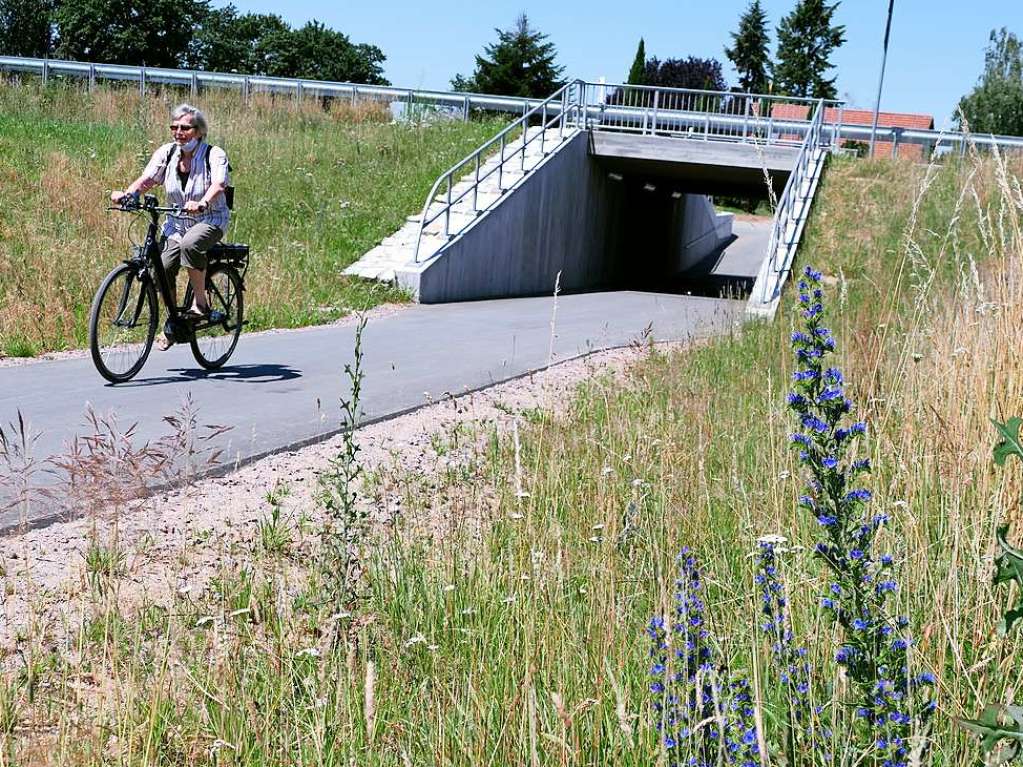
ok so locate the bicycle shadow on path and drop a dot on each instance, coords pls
(250, 374)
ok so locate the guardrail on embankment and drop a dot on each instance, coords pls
(194, 80)
(708, 112)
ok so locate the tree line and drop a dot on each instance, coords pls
(188, 34)
(807, 38)
(522, 61)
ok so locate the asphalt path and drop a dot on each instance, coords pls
(281, 390)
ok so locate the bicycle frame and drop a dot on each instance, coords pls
(150, 256)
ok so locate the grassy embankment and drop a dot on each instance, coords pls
(512, 631)
(315, 189)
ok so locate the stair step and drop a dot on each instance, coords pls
(398, 249)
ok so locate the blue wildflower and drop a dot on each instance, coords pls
(814, 424)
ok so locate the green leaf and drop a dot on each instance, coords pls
(1010, 443)
(1000, 729)
(1008, 568)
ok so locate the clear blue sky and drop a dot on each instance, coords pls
(935, 56)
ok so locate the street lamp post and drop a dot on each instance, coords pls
(880, 82)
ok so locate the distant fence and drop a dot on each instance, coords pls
(195, 80)
(599, 97)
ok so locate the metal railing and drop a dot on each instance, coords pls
(673, 111)
(194, 80)
(693, 113)
(939, 142)
(556, 111)
(786, 214)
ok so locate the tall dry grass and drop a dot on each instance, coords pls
(318, 184)
(501, 620)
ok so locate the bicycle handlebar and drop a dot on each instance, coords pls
(130, 203)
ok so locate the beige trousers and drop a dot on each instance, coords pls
(189, 248)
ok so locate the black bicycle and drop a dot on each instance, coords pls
(125, 315)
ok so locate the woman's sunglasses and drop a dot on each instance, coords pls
(182, 127)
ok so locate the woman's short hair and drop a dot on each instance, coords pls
(198, 118)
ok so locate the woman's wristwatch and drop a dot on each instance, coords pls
(204, 206)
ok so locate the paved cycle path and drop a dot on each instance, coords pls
(281, 390)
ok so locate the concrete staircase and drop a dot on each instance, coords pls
(397, 250)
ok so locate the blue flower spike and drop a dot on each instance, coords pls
(892, 705)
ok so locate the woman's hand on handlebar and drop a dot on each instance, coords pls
(117, 195)
(192, 206)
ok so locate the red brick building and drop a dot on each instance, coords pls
(865, 117)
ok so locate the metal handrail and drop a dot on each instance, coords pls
(783, 215)
(698, 113)
(558, 102)
(698, 91)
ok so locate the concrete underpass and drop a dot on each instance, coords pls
(614, 211)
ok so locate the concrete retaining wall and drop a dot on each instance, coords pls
(566, 216)
(555, 220)
(700, 232)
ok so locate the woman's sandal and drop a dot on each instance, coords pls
(164, 342)
(210, 315)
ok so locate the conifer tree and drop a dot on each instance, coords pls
(638, 70)
(806, 40)
(749, 52)
(520, 63)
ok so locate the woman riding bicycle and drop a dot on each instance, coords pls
(195, 176)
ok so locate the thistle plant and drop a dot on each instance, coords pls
(891, 701)
(704, 715)
(344, 527)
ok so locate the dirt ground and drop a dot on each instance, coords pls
(177, 541)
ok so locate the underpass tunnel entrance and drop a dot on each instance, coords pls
(605, 211)
(662, 236)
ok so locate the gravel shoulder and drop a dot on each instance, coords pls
(175, 543)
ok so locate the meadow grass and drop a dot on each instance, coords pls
(316, 187)
(500, 620)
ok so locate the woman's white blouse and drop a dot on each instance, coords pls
(198, 182)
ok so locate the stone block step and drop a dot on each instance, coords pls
(397, 250)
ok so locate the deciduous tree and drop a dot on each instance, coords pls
(691, 72)
(154, 32)
(995, 105)
(26, 27)
(264, 44)
(806, 39)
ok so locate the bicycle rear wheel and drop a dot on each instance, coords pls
(122, 323)
(214, 342)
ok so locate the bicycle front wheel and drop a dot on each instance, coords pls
(214, 342)
(122, 323)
